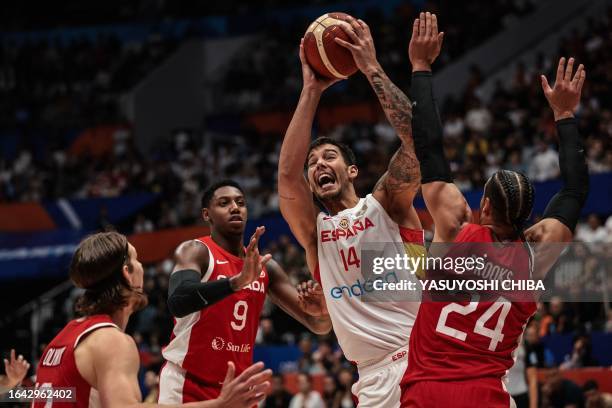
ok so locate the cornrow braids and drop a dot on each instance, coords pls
(512, 196)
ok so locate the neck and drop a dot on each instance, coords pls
(234, 244)
(348, 200)
(122, 316)
(500, 231)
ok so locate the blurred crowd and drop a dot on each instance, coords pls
(514, 130)
(268, 77)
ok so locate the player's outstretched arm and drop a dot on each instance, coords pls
(295, 197)
(563, 210)
(398, 186)
(309, 310)
(188, 294)
(443, 199)
(113, 371)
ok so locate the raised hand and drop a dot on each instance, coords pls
(253, 262)
(362, 46)
(15, 369)
(564, 96)
(246, 390)
(425, 43)
(311, 298)
(311, 80)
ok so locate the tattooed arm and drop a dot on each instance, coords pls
(397, 188)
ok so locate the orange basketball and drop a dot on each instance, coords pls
(324, 55)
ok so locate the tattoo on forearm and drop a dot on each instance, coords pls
(394, 102)
(403, 172)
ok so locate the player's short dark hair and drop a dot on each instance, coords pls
(511, 195)
(97, 266)
(347, 153)
(210, 191)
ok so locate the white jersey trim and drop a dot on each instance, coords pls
(92, 328)
(211, 263)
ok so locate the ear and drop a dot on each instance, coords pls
(486, 206)
(127, 274)
(352, 172)
(205, 215)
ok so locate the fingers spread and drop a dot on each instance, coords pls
(434, 26)
(422, 25)
(568, 70)
(560, 71)
(545, 86)
(250, 371)
(344, 44)
(581, 80)
(577, 75)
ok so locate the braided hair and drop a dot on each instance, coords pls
(511, 195)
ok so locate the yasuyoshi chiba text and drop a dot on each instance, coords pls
(468, 285)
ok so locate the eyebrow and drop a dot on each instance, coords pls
(236, 197)
(329, 149)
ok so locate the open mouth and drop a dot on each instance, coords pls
(326, 180)
(235, 218)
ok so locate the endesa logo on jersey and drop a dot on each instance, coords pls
(345, 231)
(359, 288)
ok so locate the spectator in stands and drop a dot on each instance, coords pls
(592, 231)
(151, 382)
(581, 355)
(560, 392)
(15, 370)
(545, 162)
(594, 397)
(279, 397)
(266, 333)
(143, 224)
(330, 386)
(608, 327)
(306, 397)
(305, 362)
(345, 397)
(555, 321)
(536, 354)
(523, 381)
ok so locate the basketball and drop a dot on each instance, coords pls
(323, 54)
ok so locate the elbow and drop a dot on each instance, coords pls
(321, 326)
(286, 174)
(174, 305)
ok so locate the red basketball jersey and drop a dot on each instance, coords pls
(203, 342)
(57, 366)
(476, 337)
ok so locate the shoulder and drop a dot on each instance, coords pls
(549, 230)
(470, 232)
(194, 251)
(123, 345)
(95, 358)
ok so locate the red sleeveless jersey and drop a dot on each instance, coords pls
(57, 366)
(203, 342)
(476, 336)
